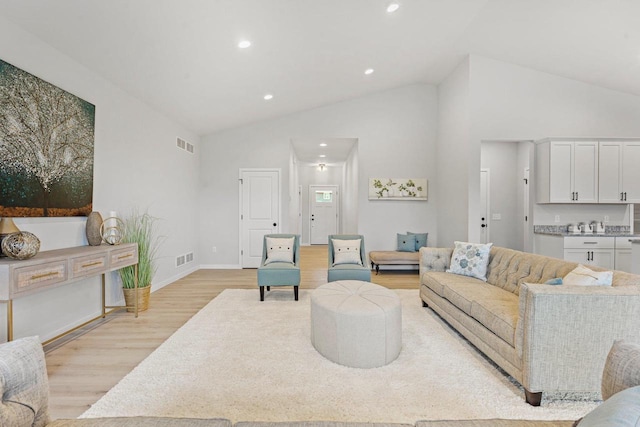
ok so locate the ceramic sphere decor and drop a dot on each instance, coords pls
(21, 245)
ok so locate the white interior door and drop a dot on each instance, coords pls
(260, 212)
(484, 205)
(323, 213)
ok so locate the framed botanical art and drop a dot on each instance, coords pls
(46, 148)
(397, 189)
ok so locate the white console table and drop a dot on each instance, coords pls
(51, 269)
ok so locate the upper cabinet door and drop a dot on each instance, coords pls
(585, 165)
(561, 172)
(631, 172)
(610, 173)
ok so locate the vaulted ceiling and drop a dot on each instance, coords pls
(182, 57)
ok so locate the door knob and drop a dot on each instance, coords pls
(274, 224)
(483, 225)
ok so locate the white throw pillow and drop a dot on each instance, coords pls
(279, 250)
(583, 276)
(346, 251)
(470, 259)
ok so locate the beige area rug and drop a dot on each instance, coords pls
(247, 360)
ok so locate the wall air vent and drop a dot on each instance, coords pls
(184, 145)
(180, 260)
(189, 257)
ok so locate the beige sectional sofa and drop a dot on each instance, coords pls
(550, 338)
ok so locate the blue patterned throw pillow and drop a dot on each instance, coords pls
(470, 259)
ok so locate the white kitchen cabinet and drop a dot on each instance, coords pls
(623, 254)
(619, 174)
(567, 171)
(583, 249)
(587, 250)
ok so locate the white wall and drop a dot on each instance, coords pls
(512, 102)
(452, 185)
(350, 193)
(136, 164)
(396, 133)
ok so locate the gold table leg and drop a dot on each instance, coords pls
(9, 320)
(104, 308)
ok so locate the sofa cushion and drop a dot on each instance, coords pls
(621, 369)
(435, 259)
(620, 410)
(142, 422)
(509, 268)
(24, 387)
(498, 312)
(470, 259)
(463, 292)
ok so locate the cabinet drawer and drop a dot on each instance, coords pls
(124, 257)
(583, 242)
(89, 265)
(27, 279)
(624, 242)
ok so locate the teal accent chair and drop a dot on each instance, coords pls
(280, 273)
(348, 271)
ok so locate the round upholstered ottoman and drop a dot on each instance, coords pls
(357, 324)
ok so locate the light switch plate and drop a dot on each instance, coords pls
(496, 217)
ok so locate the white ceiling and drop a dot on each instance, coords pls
(181, 56)
(336, 150)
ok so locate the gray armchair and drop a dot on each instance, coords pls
(280, 273)
(348, 271)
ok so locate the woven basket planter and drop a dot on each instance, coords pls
(143, 298)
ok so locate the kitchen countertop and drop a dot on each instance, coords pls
(606, 234)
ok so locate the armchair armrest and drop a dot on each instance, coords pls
(565, 332)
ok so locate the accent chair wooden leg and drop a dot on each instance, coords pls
(261, 293)
(532, 399)
(295, 292)
(377, 269)
(268, 288)
(424, 304)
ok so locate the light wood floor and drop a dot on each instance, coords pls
(82, 370)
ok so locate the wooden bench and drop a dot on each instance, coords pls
(379, 258)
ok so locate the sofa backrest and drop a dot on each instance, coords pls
(509, 268)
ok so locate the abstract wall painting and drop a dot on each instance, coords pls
(46, 148)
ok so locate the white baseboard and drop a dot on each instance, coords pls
(162, 284)
(221, 267)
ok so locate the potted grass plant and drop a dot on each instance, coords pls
(140, 228)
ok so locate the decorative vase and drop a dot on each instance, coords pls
(6, 227)
(94, 221)
(21, 245)
(143, 298)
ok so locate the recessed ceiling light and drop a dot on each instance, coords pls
(323, 155)
(324, 144)
(244, 44)
(268, 97)
(393, 7)
(369, 71)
